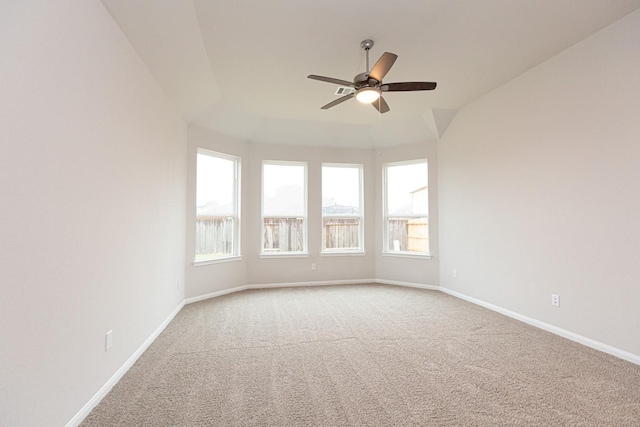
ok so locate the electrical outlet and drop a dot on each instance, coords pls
(313, 266)
(178, 284)
(108, 340)
(555, 300)
(455, 273)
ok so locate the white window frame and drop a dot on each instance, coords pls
(236, 253)
(386, 216)
(305, 219)
(360, 215)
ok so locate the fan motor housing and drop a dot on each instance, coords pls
(362, 80)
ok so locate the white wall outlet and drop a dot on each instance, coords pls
(108, 340)
(555, 300)
(455, 273)
(313, 266)
(178, 284)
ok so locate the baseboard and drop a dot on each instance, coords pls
(215, 294)
(86, 409)
(303, 284)
(407, 284)
(625, 355)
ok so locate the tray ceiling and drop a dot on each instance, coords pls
(240, 67)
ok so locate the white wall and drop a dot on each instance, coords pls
(92, 195)
(540, 191)
(399, 268)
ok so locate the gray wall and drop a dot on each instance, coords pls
(540, 191)
(92, 194)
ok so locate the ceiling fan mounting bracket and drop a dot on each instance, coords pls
(366, 44)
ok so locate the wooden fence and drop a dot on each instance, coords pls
(408, 234)
(418, 235)
(341, 233)
(214, 236)
(283, 235)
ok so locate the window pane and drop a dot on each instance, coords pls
(214, 185)
(283, 235)
(284, 208)
(407, 189)
(407, 208)
(341, 196)
(216, 207)
(341, 233)
(283, 190)
(340, 190)
(214, 237)
(407, 234)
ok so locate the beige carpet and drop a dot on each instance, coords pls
(365, 355)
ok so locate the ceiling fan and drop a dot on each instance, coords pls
(369, 86)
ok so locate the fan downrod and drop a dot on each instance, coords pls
(363, 77)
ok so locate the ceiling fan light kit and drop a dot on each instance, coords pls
(367, 95)
(368, 85)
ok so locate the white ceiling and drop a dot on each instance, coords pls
(240, 67)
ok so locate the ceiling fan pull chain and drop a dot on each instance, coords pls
(379, 119)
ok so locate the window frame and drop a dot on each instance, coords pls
(236, 240)
(386, 216)
(360, 216)
(305, 216)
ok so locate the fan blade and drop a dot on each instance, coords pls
(381, 105)
(338, 101)
(330, 80)
(383, 66)
(407, 86)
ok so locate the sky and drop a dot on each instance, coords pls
(401, 181)
(217, 172)
(339, 184)
(279, 176)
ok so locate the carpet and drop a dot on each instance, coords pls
(365, 355)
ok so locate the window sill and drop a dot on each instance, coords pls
(343, 253)
(407, 255)
(285, 255)
(217, 260)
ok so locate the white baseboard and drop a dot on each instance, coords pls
(276, 285)
(407, 284)
(303, 284)
(86, 409)
(625, 355)
(215, 294)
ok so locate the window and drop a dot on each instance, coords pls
(342, 220)
(217, 206)
(406, 208)
(284, 208)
